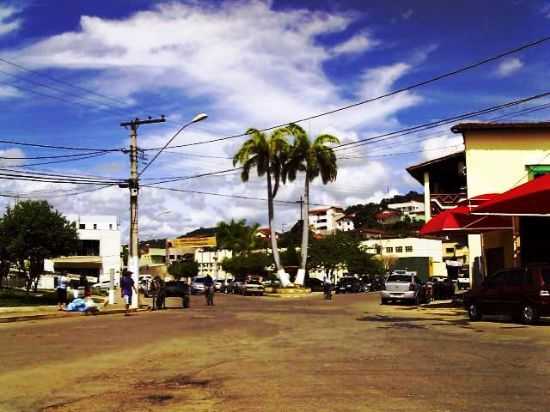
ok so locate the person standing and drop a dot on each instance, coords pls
(209, 290)
(127, 287)
(61, 291)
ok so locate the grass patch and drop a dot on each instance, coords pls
(16, 297)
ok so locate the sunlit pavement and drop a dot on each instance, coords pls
(261, 354)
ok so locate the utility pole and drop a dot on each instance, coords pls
(133, 185)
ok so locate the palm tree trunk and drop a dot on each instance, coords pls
(300, 276)
(283, 278)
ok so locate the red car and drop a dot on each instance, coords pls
(523, 293)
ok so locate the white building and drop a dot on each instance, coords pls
(329, 220)
(413, 209)
(98, 252)
(210, 263)
(407, 250)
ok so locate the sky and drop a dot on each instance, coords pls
(249, 63)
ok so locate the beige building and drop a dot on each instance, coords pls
(329, 220)
(499, 157)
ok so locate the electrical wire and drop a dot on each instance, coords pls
(51, 156)
(47, 146)
(382, 96)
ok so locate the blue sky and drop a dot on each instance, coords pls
(253, 64)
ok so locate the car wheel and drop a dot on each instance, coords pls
(529, 314)
(384, 301)
(473, 312)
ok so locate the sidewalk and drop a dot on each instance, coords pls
(29, 313)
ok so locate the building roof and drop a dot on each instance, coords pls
(467, 127)
(323, 210)
(417, 171)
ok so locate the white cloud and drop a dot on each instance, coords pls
(9, 92)
(8, 22)
(509, 66)
(441, 146)
(356, 44)
(242, 79)
(18, 154)
(546, 10)
(406, 15)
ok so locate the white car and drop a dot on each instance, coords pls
(197, 286)
(403, 286)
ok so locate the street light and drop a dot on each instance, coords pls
(199, 117)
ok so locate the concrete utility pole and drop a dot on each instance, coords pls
(133, 185)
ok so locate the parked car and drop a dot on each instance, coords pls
(251, 287)
(197, 286)
(103, 285)
(523, 293)
(404, 287)
(316, 285)
(349, 284)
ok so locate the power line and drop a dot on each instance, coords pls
(36, 73)
(51, 156)
(47, 146)
(373, 99)
(431, 125)
(59, 90)
(57, 175)
(83, 157)
(242, 197)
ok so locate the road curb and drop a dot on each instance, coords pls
(60, 315)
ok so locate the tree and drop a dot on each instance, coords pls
(37, 232)
(266, 155)
(184, 269)
(242, 265)
(6, 259)
(314, 159)
(237, 236)
(341, 251)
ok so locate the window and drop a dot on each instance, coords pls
(171, 257)
(450, 250)
(389, 250)
(513, 277)
(88, 248)
(82, 226)
(110, 226)
(408, 249)
(399, 249)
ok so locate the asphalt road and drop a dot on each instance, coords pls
(264, 354)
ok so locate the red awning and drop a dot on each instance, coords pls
(461, 219)
(529, 199)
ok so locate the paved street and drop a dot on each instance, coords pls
(261, 354)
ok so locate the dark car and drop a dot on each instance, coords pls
(177, 289)
(316, 285)
(523, 293)
(349, 285)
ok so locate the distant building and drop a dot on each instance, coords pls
(152, 261)
(210, 261)
(413, 210)
(423, 255)
(329, 220)
(265, 233)
(388, 217)
(184, 247)
(98, 254)
(370, 233)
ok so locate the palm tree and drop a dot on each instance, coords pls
(314, 159)
(237, 236)
(267, 155)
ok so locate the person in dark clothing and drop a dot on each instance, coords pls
(209, 290)
(127, 287)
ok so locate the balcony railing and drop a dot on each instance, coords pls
(442, 201)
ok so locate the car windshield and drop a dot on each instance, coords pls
(400, 278)
(199, 280)
(546, 276)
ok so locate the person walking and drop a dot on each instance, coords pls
(127, 287)
(209, 290)
(327, 287)
(62, 291)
